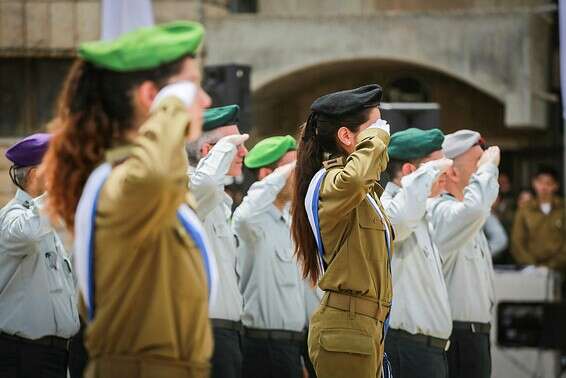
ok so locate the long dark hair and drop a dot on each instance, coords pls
(95, 108)
(318, 138)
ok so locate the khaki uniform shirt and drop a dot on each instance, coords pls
(466, 259)
(214, 209)
(270, 279)
(352, 233)
(37, 289)
(150, 284)
(420, 304)
(538, 238)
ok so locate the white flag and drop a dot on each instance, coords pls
(122, 16)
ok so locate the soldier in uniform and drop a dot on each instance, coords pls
(274, 303)
(341, 233)
(222, 147)
(126, 111)
(538, 231)
(38, 310)
(421, 322)
(457, 217)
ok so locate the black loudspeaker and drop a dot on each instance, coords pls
(229, 84)
(404, 115)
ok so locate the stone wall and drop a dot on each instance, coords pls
(7, 189)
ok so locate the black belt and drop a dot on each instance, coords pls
(274, 334)
(431, 341)
(48, 341)
(473, 327)
(227, 324)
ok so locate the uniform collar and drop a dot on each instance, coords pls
(534, 203)
(338, 161)
(22, 197)
(278, 215)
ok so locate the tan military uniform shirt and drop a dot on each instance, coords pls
(150, 285)
(352, 233)
(538, 238)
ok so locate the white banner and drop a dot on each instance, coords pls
(122, 16)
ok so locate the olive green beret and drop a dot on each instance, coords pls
(145, 48)
(414, 143)
(221, 116)
(269, 150)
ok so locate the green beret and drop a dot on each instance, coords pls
(145, 48)
(269, 150)
(414, 143)
(221, 116)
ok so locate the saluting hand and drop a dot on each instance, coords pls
(236, 139)
(183, 90)
(285, 170)
(381, 124)
(491, 155)
(441, 165)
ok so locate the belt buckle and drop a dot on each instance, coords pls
(473, 328)
(447, 346)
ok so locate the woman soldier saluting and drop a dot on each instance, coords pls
(117, 160)
(337, 213)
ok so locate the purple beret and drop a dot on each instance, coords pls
(29, 151)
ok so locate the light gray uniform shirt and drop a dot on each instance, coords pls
(273, 290)
(466, 259)
(420, 298)
(214, 209)
(496, 236)
(37, 288)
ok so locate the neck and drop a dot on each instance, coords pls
(280, 203)
(457, 192)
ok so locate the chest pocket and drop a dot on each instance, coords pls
(474, 253)
(225, 237)
(372, 222)
(424, 243)
(56, 269)
(285, 267)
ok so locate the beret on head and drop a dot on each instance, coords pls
(220, 117)
(414, 143)
(29, 151)
(457, 143)
(145, 48)
(269, 150)
(344, 102)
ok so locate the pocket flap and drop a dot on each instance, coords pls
(373, 222)
(346, 341)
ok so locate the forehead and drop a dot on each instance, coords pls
(545, 177)
(228, 130)
(288, 157)
(190, 70)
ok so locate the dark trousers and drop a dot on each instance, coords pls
(469, 355)
(78, 356)
(265, 358)
(410, 359)
(19, 359)
(306, 357)
(227, 356)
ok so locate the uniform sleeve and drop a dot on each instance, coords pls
(207, 181)
(519, 237)
(456, 222)
(344, 190)
(23, 226)
(496, 235)
(407, 207)
(260, 197)
(146, 190)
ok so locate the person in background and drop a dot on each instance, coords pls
(524, 196)
(270, 281)
(218, 153)
(496, 236)
(421, 322)
(538, 231)
(38, 309)
(457, 218)
(500, 222)
(116, 173)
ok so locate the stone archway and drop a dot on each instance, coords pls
(282, 104)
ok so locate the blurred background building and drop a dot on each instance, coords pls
(490, 65)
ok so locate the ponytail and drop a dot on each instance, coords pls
(95, 109)
(317, 139)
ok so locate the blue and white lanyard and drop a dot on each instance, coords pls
(85, 218)
(311, 206)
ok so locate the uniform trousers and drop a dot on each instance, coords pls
(227, 356)
(469, 355)
(411, 359)
(21, 359)
(265, 358)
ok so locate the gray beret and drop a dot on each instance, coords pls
(457, 143)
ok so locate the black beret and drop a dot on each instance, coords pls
(350, 101)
